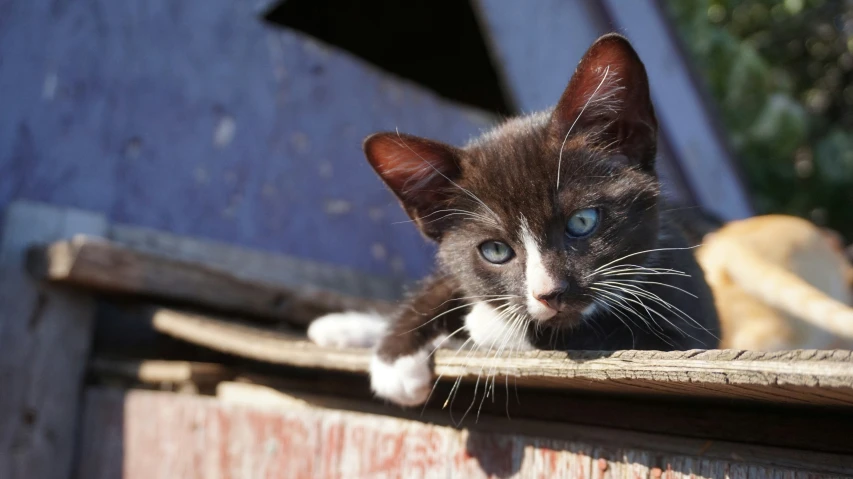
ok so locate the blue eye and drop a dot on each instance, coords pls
(496, 252)
(582, 223)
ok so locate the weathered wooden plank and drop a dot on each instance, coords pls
(815, 428)
(203, 437)
(102, 265)
(44, 341)
(808, 377)
(273, 346)
(149, 371)
(257, 266)
(221, 126)
(123, 329)
(606, 438)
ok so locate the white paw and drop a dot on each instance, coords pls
(407, 381)
(350, 329)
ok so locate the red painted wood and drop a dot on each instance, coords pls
(151, 435)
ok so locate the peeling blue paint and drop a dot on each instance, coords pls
(118, 107)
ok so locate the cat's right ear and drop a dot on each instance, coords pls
(420, 172)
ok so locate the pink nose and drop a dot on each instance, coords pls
(553, 298)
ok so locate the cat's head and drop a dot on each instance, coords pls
(532, 208)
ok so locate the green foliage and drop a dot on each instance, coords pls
(781, 73)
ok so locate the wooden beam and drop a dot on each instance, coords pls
(282, 436)
(283, 395)
(148, 371)
(276, 347)
(788, 377)
(102, 265)
(806, 428)
(256, 266)
(45, 334)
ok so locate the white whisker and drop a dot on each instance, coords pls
(620, 301)
(619, 315)
(657, 283)
(446, 338)
(666, 304)
(504, 336)
(651, 329)
(618, 268)
(515, 325)
(450, 311)
(471, 195)
(563, 145)
(638, 253)
(451, 397)
(658, 314)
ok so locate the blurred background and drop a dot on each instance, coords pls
(178, 126)
(780, 74)
(241, 121)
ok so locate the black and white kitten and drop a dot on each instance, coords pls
(551, 235)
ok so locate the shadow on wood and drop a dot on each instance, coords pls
(282, 436)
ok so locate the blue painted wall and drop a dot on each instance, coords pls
(195, 118)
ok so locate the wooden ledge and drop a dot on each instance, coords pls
(798, 377)
(110, 267)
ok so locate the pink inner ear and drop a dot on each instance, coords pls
(623, 95)
(418, 170)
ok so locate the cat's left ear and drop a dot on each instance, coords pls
(608, 98)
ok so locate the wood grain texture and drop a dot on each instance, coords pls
(101, 265)
(793, 377)
(150, 371)
(45, 334)
(255, 266)
(605, 438)
(157, 435)
(684, 410)
(812, 428)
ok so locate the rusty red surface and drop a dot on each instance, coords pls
(151, 435)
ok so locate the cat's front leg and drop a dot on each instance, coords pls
(401, 370)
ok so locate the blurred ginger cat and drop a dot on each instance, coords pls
(779, 282)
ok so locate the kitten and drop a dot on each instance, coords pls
(550, 230)
(780, 283)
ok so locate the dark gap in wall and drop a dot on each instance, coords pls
(437, 43)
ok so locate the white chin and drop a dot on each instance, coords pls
(540, 312)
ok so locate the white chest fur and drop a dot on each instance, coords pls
(492, 331)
